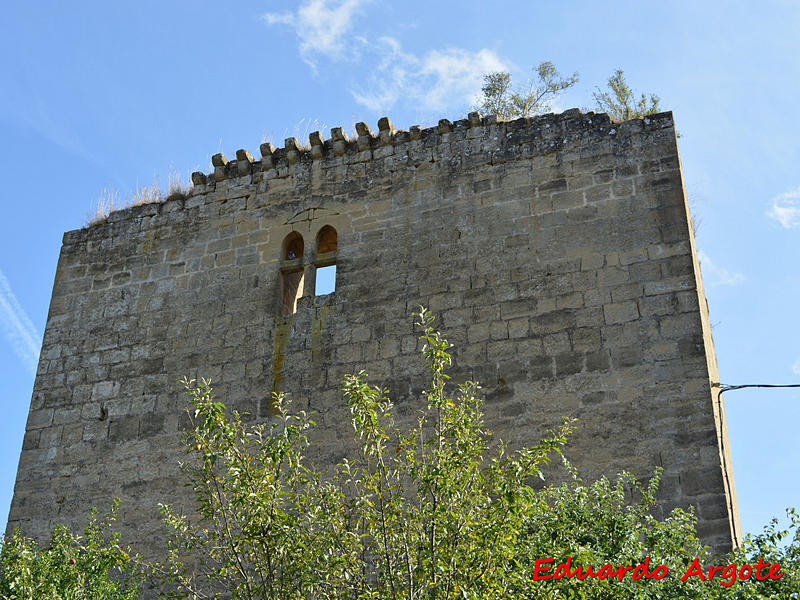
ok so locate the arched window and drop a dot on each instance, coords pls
(325, 262)
(291, 273)
(327, 240)
(293, 246)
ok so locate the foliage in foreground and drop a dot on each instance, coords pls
(438, 510)
(432, 512)
(92, 567)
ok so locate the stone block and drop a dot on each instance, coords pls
(569, 363)
(620, 312)
(40, 418)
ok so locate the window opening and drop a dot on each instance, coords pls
(293, 246)
(292, 284)
(325, 262)
(326, 280)
(327, 240)
(291, 273)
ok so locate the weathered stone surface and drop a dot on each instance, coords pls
(556, 250)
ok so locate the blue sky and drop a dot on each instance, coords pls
(113, 95)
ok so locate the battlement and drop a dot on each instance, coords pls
(465, 143)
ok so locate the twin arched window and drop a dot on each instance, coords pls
(319, 271)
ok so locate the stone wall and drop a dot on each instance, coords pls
(557, 252)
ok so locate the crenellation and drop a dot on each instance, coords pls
(244, 162)
(220, 164)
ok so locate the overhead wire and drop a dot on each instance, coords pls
(724, 387)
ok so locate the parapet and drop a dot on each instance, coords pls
(466, 143)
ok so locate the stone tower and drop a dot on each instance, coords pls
(557, 251)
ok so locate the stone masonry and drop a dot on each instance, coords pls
(556, 250)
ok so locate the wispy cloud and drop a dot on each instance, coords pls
(17, 328)
(714, 274)
(435, 81)
(796, 367)
(432, 81)
(322, 28)
(25, 106)
(785, 208)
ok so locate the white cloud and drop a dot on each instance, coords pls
(432, 81)
(457, 74)
(322, 27)
(796, 367)
(714, 275)
(438, 80)
(785, 208)
(392, 79)
(17, 328)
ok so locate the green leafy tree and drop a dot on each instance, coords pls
(92, 567)
(432, 512)
(500, 99)
(259, 507)
(776, 545)
(620, 101)
(438, 509)
(496, 92)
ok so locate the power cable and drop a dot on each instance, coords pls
(724, 387)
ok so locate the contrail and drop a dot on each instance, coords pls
(17, 328)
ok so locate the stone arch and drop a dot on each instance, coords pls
(293, 246)
(327, 240)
